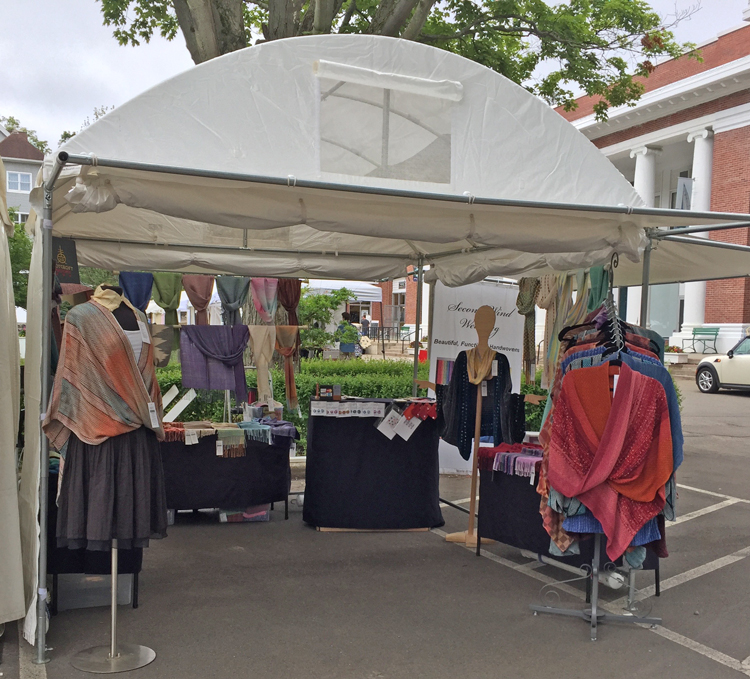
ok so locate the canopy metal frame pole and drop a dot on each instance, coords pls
(645, 321)
(420, 284)
(685, 230)
(41, 603)
(708, 243)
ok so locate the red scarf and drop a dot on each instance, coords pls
(613, 453)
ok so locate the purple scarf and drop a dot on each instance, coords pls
(211, 357)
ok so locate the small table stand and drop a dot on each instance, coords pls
(594, 615)
(115, 657)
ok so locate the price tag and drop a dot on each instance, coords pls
(220, 447)
(494, 368)
(387, 426)
(191, 437)
(484, 387)
(406, 427)
(614, 385)
(145, 336)
(152, 414)
(378, 409)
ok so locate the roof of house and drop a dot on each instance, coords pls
(726, 48)
(17, 145)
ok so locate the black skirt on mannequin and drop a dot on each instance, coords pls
(113, 491)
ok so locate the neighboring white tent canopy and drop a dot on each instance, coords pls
(20, 315)
(306, 117)
(363, 292)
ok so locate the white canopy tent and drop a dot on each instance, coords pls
(337, 156)
(363, 292)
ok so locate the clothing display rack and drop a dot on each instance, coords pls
(594, 613)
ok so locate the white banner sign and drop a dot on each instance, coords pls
(452, 331)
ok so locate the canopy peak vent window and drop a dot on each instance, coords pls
(391, 126)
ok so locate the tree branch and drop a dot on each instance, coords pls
(417, 22)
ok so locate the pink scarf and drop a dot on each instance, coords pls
(613, 453)
(265, 297)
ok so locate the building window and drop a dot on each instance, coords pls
(22, 217)
(19, 181)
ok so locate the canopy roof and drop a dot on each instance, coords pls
(345, 157)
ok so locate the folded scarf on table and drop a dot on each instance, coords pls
(162, 337)
(282, 432)
(211, 357)
(286, 343)
(232, 438)
(201, 427)
(613, 453)
(100, 391)
(137, 287)
(262, 342)
(257, 431)
(265, 297)
(199, 290)
(233, 293)
(174, 431)
(166, 293)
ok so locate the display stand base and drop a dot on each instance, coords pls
(98, 660)
(322, 529)
(594, 620)
(465, 538)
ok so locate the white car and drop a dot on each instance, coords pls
(728, 371)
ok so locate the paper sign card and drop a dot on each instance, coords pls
(344, 410)
(387, 425)
(191, 437)
(318, 409)
(378, 409)
(220, 447)
(332, 409)
(406, 427)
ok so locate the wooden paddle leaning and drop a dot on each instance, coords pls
(484, 323)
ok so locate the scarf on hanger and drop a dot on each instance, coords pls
(612, 452)
(166, 292)
(100, 391)
(290, 291)
(546, 298)
(479, 367)
(265, 297)
(163, 339)
(286, 343)
(599, 287)
(233, 293)
(525, 303)
(199, 290)
(262, 342)
(137, 287)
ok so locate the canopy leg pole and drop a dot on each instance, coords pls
(41, 602)
(644, 320)
(420, 284)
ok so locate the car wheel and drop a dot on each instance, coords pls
(707, 381)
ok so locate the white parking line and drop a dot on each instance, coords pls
(704, 511)
(456, 502)
(710, 492)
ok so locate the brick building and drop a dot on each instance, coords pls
(687, 143)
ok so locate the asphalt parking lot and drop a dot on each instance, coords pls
(279, 599)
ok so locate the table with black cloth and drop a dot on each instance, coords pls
(509, 513)
(197, 478)
(356, 478)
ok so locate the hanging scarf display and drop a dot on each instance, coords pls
(166, 293)
(163, 339)
(599, 287)
(199, 290)
(262, 342)
(137, 286)
(526, 305)
(233, 293)
(286, 342)
(546, 298)
(479, 367)
(265, 299)
(290, 290)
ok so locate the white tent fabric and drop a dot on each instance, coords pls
(11, 574)
(20, 315)
(363, 292)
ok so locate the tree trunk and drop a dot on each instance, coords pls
(281, 15)
(211, 27)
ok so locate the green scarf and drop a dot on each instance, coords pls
(599, 287)
(166, 293)
(526, 305)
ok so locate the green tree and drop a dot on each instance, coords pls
(14, 125)
(20, 259)
(597, 46)
(95, 277)
(316, 311)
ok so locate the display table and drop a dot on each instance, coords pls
(196, 478)
(358, 479)
(509, 513)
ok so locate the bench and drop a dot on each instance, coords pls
(705, 336)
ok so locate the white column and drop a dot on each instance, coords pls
(644, 183)
(703, 159)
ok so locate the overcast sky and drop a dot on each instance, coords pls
(59, 61)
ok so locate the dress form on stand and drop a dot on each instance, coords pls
(484, 323)
(115, 657)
